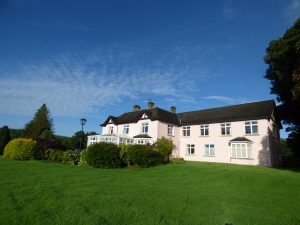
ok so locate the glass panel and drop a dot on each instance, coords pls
(238, 151)
(212, 150)
(248, 129)
(206, 150)
(255, 129)
(243, 151)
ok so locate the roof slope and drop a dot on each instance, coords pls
(153, 114)
(248, 111)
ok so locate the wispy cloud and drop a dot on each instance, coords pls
(292, 11)
(76, 84)
(228, 9)
(226, 100)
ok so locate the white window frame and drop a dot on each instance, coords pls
(170, 130)
(190, 149)
(241, 150)
(209, 150)
(204, 130)
(145, 128)
(186, 131)
(226, 127)
(126, 129)
(110, 130)
(251, 125)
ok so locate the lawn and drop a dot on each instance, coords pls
(36, 192)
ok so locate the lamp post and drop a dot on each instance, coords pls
(82, 122)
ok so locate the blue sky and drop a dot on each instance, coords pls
(92, 59)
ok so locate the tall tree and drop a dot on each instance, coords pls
(283, 59)
(4, 138)
(40, 124)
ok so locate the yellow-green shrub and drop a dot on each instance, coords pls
(20, 149)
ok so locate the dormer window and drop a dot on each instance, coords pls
(144, 116)
(145, 128)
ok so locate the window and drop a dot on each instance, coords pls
(186, 131)
(209, 150)
(241, 150)
(225, 128)
(126, 129)
(190, 149)
(204, 130)
(111, 130)
(144, 128)
(251, 127)
(170, 130)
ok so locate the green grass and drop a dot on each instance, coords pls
(35, 192)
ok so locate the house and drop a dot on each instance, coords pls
(241, 134)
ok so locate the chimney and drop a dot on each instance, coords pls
(136, 108)
(173, 109)
(150, 105)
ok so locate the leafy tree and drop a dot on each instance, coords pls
(4, 138)
(40, 124)
(165, 147)
(283, 59)
(75, 139)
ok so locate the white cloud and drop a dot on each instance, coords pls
(225, 99)
(228, 9)
(75, 84)
(292, 11)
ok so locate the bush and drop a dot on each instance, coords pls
(43, 144)
(165, 147)
(20, 149)
(71, 157)
(143, 155)
(55, 155)
(124, 153)
(177, 161)
(83, 158)
(104, 155)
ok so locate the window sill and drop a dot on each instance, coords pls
(226, 135)
(185, 136)
(171, 135)
(241, 158)
(204, 136)
(189, 154)
(209, 156)
(252, 134)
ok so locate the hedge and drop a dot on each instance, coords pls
(20, 149)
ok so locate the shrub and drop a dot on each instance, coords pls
(83, 158)
(178, 161)
(104, 155)
(55, 155)
(143, 155)
(43, 144)
(165, 147)
(20, 149)
(71, 157)
(124, 153)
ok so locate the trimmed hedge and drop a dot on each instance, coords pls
(20, 149)
(104, 155)
(143, 155)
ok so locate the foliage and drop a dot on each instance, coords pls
(283, 59)
(104, 155)
(43, 144)
(165, 147)
(40, 124)
(143, 155)
(4, 137)
(16, 133)
(177, 161)
(56, 155)
(66, 142)
(71, 157)
(20, 149)
(123, 153)
(83, 158)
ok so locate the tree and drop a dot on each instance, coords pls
(40, 124)
(283, 59)
(165, 147)
(4, 138)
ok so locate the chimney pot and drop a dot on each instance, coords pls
(150, 105)
(173, 109)
(136, 108)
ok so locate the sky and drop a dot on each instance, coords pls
(91, 59)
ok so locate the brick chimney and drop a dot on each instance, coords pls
(150, 105)
(136, 108)
(173, 109)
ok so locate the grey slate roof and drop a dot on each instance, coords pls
(241, 112)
